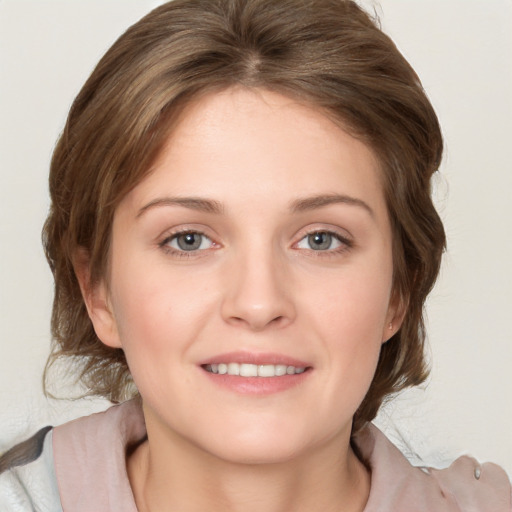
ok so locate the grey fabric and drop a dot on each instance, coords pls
(90, 462)
(25, 452)
(30, 485)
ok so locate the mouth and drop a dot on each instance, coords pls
(254, 370)
(256, 374)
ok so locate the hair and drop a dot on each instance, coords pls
(329, 54)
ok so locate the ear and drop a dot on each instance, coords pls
(97, 300)
(395, 316)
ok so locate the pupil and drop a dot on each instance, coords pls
(318, 241)
(189, 241)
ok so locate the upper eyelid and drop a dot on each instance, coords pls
(346, 242)
(340, 233)
(165, 245)
(176, 231)
(176, 234)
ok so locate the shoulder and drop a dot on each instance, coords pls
(27, 476)
(397, 486)
(475, 486)
(85, 456)
(100, 443)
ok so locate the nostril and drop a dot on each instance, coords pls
(251, 309)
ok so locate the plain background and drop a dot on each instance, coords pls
(462, 50)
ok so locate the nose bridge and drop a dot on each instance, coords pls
(258, 293)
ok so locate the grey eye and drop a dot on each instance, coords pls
(319, 241)
(190, 242)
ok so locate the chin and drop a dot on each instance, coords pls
(268, 443)
(256, 451)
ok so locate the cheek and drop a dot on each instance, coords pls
(349, 315)
(158, 324)
(158, 310)
(353, 304)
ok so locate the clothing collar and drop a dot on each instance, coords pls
(90, 464)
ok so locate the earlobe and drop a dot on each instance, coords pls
(97, 300)
(389, 331)
(395, 317)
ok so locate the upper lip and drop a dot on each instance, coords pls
(255, 358)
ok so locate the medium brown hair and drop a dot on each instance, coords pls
(327, 53)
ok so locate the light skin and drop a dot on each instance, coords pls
(261, 229)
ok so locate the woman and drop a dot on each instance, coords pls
(241, 224)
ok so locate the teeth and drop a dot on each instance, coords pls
(266, 370)
(246, 370)
(280, 370)
(253, 370)
(233, 369)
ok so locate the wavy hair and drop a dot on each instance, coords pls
(327, 53)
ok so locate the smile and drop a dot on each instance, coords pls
(253, 370)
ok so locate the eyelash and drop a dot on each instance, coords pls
(164, 244)
(346, 244)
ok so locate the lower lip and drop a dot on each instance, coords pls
(257, 385)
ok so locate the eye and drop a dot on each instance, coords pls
(321, 241)
(188, 241)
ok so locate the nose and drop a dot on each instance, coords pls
(258, 292)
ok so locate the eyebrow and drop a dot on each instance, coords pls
(297, 206)
(314, 202)
(193, 203)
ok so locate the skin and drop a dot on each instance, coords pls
(256, 284)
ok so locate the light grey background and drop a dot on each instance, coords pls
(462, 50)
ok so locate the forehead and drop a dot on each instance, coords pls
(242, 143)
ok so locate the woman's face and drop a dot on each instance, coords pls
(260, 242)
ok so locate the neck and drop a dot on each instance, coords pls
(168, 473)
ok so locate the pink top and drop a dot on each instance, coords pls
(90, 464)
